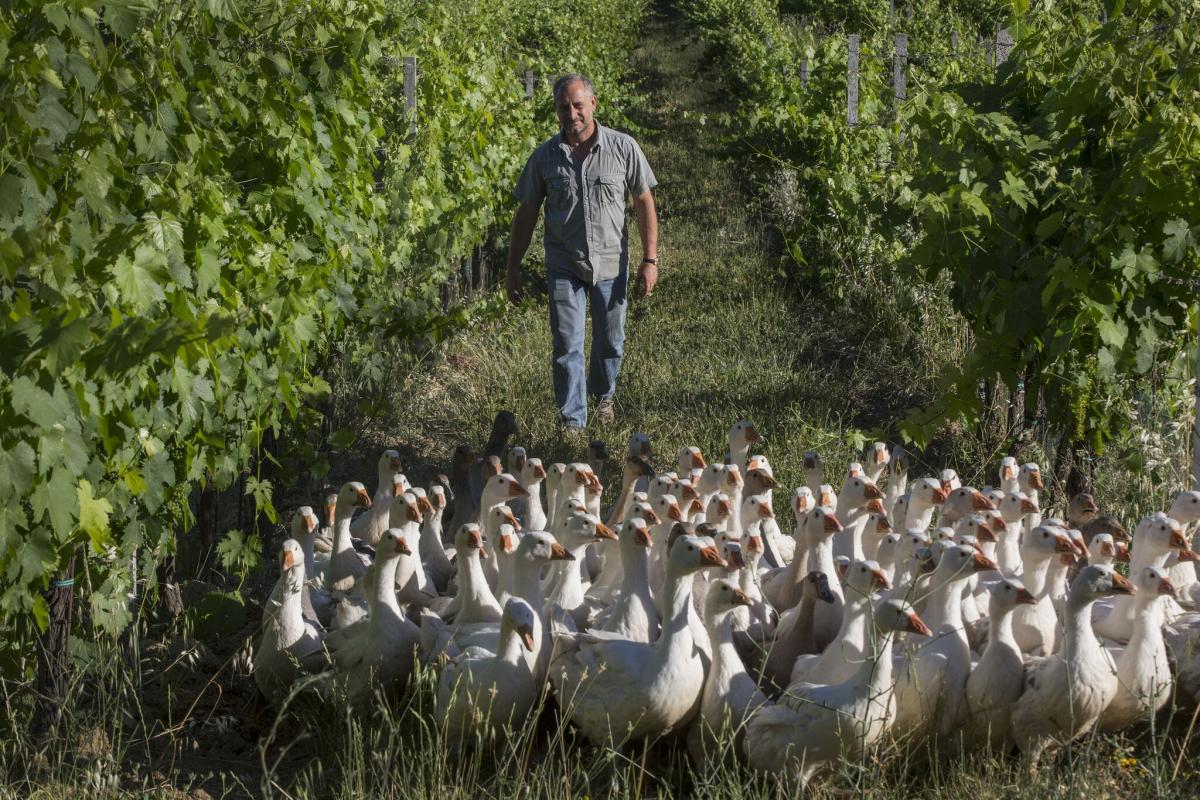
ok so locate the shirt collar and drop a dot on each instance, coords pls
(601, 139)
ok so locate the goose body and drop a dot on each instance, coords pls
(290, 645)
(1144, 681)
(998, 679)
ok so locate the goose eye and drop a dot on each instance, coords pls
(691, 547)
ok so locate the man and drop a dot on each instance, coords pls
(582, 174)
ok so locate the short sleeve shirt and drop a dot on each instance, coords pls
(585, 231)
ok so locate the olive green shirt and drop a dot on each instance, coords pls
(585, 230)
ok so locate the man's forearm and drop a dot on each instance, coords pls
(520, 235)
(647, 222)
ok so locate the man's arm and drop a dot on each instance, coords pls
(647, 222)
(524, 221)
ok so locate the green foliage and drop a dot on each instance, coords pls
(1062, 201)
(189, 222)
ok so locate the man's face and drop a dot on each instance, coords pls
(575, 107)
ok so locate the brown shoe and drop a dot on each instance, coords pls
(605, 412)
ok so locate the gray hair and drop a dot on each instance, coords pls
(564, 80)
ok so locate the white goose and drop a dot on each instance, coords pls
(290, 645)
(897, 483)
(381, 649)
(820, 528)
(576, 533)
(1153, 540)
(998, 679)
(1066, 693)
(406, 514)
(741, 436)
(531, 477)
(815, 727)
(632, 615)
(370, 526)
(617, 691)
(346, 567)
(730, 695)
(1013, 509)
(476, 603)
(1035, 626)
(495, 689)
(837, 662)
(1144, 682)
(433, 552)
(876, 461)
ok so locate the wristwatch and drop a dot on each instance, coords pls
(650, 261)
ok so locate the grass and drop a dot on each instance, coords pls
(725, 337)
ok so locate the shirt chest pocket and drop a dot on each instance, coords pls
(560, 193)
(609, 190)
(608, 198)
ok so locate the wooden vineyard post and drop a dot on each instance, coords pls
(410, 95)
(899, 61)
(529, 81)
(804, 73)
(1003, 46)
(852, 80)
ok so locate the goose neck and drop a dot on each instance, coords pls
(1080, 638)
(675, 640)
(384, 594)
(1000, 628)
(527, 583)
(341, 533)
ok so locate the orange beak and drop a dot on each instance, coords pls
(984, 534)
(517, 490)
(698, 461)
(1063, 545)
(880, 457)
(539, 472)
(310, 522)
(1029, 507)
(512, 520)
(980, 502)
(879, 580)
(604, 532)
(413, 513)
(642, 537)
(674, 513)
(982, 563)
(526, 634)
(1121, 584)
(402, 547)
(695, 507)
(939, 496)
(1178, 541)
(711, 558)
(882, 525)
(1108, 550)
(1166, 587)
(1009, 473)
(1035, 480)
(832, 523)
(873, 493)
(915, 625)
(1025, 597)
(364, 499)
(740, 598)
(287, 560)
(559, 553)
(650, 517)
(424, 504)
(765, 511)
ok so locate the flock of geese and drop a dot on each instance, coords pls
(914, 613)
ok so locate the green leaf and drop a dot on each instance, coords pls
(1113, 332)
(35, 403)
(17, 470)
(1179, 238)
(53, 498)
(93, 516)
(139, 279)
(208, 269)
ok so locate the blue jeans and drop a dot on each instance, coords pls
(569, 299)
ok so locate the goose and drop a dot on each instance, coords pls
(433, 552)
(950, 480)
(636, 468)
(963, 502)
(741, 436)
(324, 540)
(925, 495)
(1029, 478)
(1066, 693)
(314, 601)
(897, 480)
(899, 512)
(346, 567)
(1153, 540)
(497, 689)
(666, 508)
(802, 502)
(1144, 682)
(814, 727)
(612, 576)
(497, 515)
(858, 498)
(886, 555)
(814, 472)
(820, 527)
(554, 478)
(718, 511)
(407, 514)
(1102, 550)
(466, 505)
(930, 690)
(503, 548)
(370, 526)
(877, 460)
(379, 650)
(576, 533)
(837, 661)
(1008, 475)
(760, 617)
(632, 614)
(1014, 508)
(289, 645)
(504, 427)
(729, 695)
(691, 458)
(1035, 626)
(997, 680)
(476, 603)
(1185, 509)
(530, 476)
(795, 632)
(908, 565)
(617, 691)
(876, 528)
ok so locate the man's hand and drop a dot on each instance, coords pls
(512, 284)
(647, 278)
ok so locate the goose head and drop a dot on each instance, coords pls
(1185, 508)
(926, 492)
(518, 616)
(821, 523)
(1007, 594)
(759, 481)
(853, 470)
(959, 561)
(331, 501)
(1102, 549)
(555, 474)
(1153, 582)
(389, 462)
(666, 507)
(1045, 542)
(1030, 478)
(532, 472)
(644, 511)
(730, 550)
(1159, 534)
(877, 455)
(400, 484)
(659, 485)
(352, 495)
(857, 490)
(405, 509)
(580, 474)
(686, 495)
(392, 545)
(901, 462)
(634, 533)
(712, 479)
(469, 540)
(504, 427)
(691, 554)
(422, 496)
(802, 502)
(304, 523)
(900, 511)
(1008, 471)
(816, 587)
(753, 547)
(1016, 505)
(756, 508)
(949, 480)
(637, 467)
(878, 523)
(865, 578)
(437, 497)
(897, 616)
(828, 498)
(579, 530)
(1095, 581)
(517, 458)
(719, 509)
(501, 487)
(760, 461)
(723, 596)
(691, 458)
(744, 434)
(886, 554)
(639, 446)
(291, 565)
(507, 540)
(978, 526)
(966, 500)
(1082, 509)
(540, 547)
